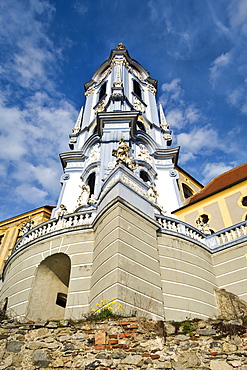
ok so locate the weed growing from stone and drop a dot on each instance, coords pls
(107, 308)
(187, 327)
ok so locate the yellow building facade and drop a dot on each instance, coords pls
(221, 203)
(11, 229)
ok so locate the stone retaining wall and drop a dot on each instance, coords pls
(133, 343)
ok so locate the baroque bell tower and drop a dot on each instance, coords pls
(120, 109)
(106, 236)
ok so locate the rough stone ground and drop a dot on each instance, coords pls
(133, 343)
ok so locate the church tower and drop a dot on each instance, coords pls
(120, 106)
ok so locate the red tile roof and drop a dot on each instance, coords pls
(219, 183)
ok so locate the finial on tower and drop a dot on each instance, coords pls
(165, 127)
(120, 47)
(163, 123)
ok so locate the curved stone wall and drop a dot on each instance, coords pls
(188, 279)
(21, 270)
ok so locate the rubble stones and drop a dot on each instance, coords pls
(130, 344)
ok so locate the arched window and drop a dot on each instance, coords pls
(244, 201)
(144, 176)
(141, 126)
(102, 91)
(187, 191)
(91, 182)
(137, 89)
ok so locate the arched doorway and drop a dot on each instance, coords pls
(50, 288)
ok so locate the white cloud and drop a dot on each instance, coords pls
(218, 66)
(175, 118)
(173, 89)
(31, 194)
(212, 170)
(238, 14)
(178, 112)
(34, 121)
(199, 141)
(235, 97)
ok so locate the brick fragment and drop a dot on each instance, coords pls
(154, 357)
(125, 335)
(99, 346)
(124, 323)
(113, 341)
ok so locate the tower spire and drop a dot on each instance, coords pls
(164, 126)
(163, 123)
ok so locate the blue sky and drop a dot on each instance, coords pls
(196, 49)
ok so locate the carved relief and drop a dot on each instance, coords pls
(94, 155)
(90, 91)
(152, 194)
(151, 88)
(167, 137)
(103, 75)
(138, 105)
(134, 186)
(122, 155)
(100, 107)
(27, 226)
(143, 154)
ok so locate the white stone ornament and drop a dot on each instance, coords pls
(94, 155)
(84, 196)
(143, 154)
(62, 211)
(27, 226)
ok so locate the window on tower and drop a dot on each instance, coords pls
(144, 176)
(137, 89)
(187, 191)
(102, 91)
(244, 201)
(141, 126)
(91, 182)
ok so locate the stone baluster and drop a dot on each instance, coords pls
(243, 229)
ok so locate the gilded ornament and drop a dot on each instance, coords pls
(120, 47)
(122, 155)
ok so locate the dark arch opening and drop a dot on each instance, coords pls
(244, 201)
(91, 182)
(144, 176)
(137, 89)
(102, 91)
(187, 191)
(141, 126)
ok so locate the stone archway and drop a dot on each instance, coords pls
(50, 287)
